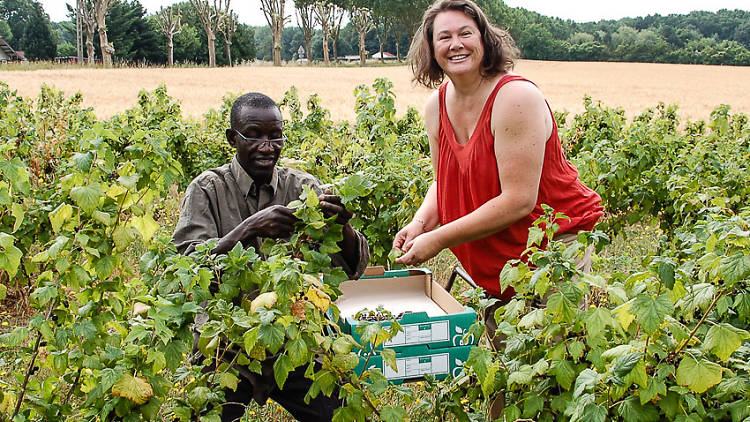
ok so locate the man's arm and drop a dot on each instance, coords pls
(198, 223)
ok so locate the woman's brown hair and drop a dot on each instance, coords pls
(500, 51)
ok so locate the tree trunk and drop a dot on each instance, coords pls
(79, 34)
(277, 53)
(90, 48)
(382, 59)
(362, 52)
(170, 51)
(326, 59)
(335, 52)
(211, 48)
(308, 50)
(228, 45)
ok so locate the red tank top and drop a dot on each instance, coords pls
(467, 177)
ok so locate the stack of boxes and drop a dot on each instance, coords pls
(434, 323)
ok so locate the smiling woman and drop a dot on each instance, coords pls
(495, 152)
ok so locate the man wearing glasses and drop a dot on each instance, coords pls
(245, 201)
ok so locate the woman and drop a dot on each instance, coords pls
(494, 146)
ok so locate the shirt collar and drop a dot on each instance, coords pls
(247, 184)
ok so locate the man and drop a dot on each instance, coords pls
(245, 201)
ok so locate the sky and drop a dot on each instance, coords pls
(578, 10)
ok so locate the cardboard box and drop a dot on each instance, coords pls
(433, 318)
(415, 363)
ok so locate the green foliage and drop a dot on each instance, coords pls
(83, 218)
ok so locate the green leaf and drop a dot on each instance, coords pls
(393, 414)
(654, 389)
(272, 336)
(346, 362)
(536, 235)
(297, 350)
(281, 369)
(561, 308)
(632, 410)
(480, 359)
(16, 210)
(564, 372)
(735, 268)
(625, 363)
(87, 197)
(389, 358)
(44, 294)
(666, 273)
(586, 380)
(596, 320)
(135, 389)
(229, 380)
(651, 311)
(59, 216)
(594, 413)
(723, 339)
(10, 256)
(697, 375)
(15, 171)
(3, 292)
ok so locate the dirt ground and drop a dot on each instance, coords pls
(697, 89)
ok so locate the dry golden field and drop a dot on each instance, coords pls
(696, 89)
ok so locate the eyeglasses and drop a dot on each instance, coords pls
(276, 143)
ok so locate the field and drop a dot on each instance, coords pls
(632, 86)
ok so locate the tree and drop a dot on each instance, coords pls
(212, 17)
(337, 16)
(169, 25)
(362, 22)
(305, 12)
(101, 9)
(38, 41)
(227, 30)
(274, 13)
(5, 31)
(324, 16)
(88, 17)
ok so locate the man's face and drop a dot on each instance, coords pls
(256, 157)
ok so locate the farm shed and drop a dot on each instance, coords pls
(7, 54)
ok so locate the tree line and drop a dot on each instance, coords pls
(203, 32)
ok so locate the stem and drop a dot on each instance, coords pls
(645, 348)
(705, 315)
(33, 360)
(73, 387)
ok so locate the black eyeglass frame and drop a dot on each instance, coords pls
(276, 143)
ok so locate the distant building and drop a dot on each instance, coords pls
(386, 56)
(7, 54)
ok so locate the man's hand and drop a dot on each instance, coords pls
(331, 205)
(276, 222)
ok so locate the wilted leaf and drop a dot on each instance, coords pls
(723, 339)
(135, 389)
(697, 375)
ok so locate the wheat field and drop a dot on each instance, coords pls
(697, 89)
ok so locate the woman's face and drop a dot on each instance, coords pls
(457, 43)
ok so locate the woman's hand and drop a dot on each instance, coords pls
(420, 249)
(407, 235)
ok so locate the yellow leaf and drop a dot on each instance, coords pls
(623, 315)
(146, 226)
(135, 389)
(264, 300)
(318, 298)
